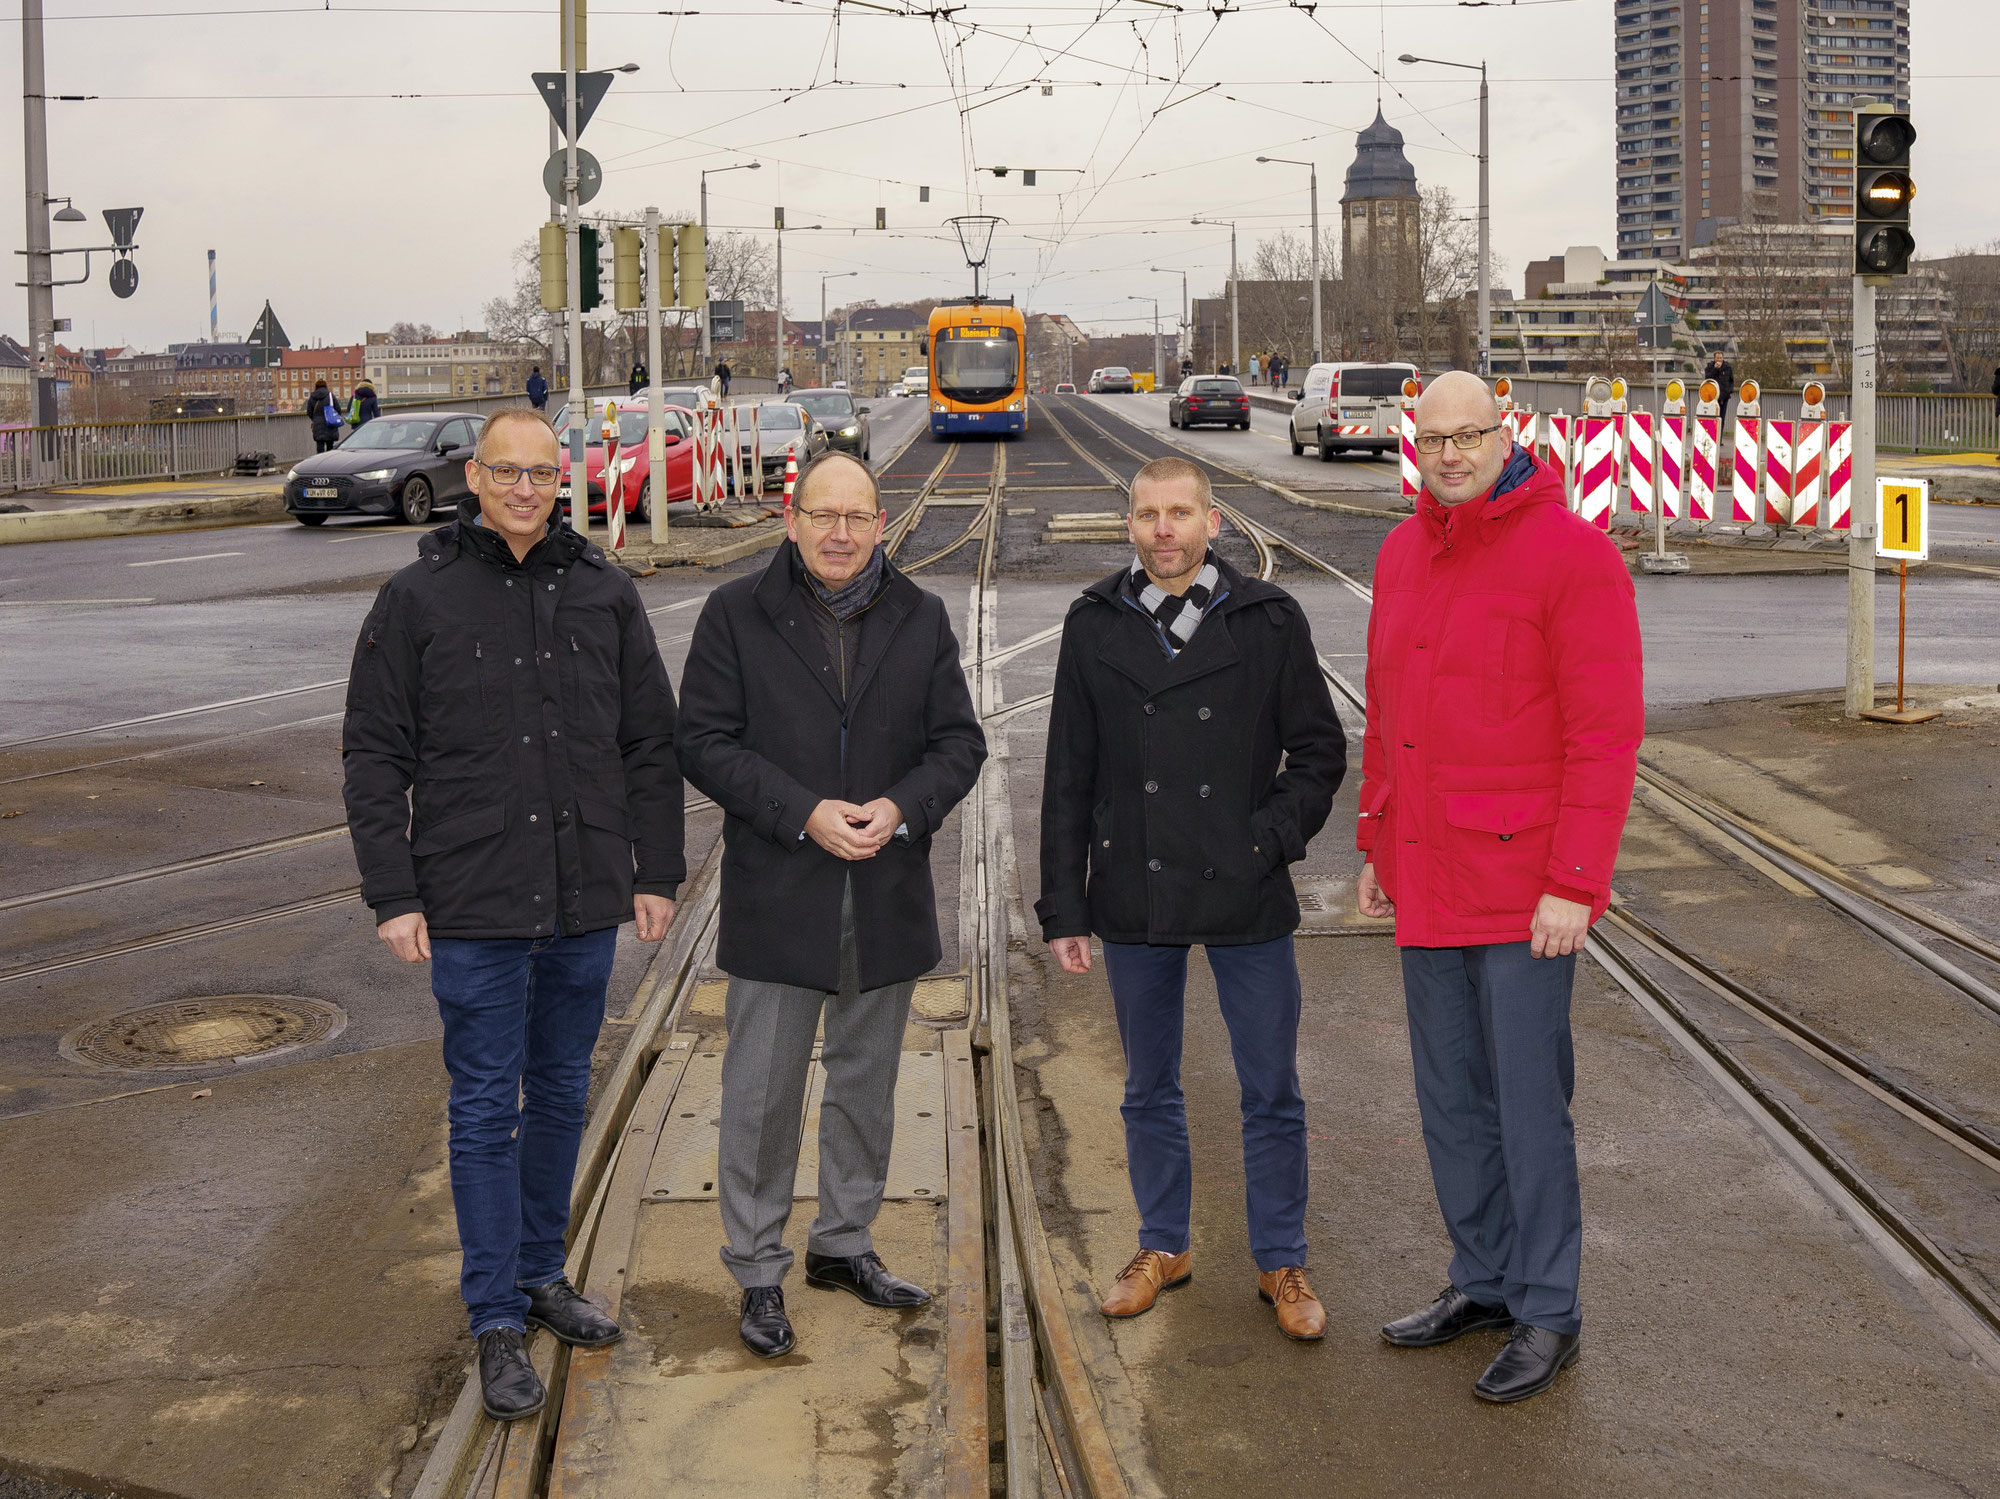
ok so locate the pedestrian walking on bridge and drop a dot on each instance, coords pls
(722, 374)
(1167, 822)
(513, 798)
(825, 711)
(538, 389)
(1505, 709)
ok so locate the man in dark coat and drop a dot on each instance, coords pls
(637, 380)
(1723, 373)
(722, 374)
(513, 797)
(1166, 822)
(538, 389)
(825, 711)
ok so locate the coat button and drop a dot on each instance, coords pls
(510, 582)
(555, 733)
(1201, 713)
(1204, 791)
(533, 818)
(1208, 874)
(538, 900)
(524, 739)
(1107, 843)
(564, 813)
(517, 660)
(1150, 709)
(1154, 865)
(550, 586)
(1151, 787)
(771, 805)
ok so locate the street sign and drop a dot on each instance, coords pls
(725, 321)
(1654, 317)
(1904, 526)
(590, 91)
(589, 175)
(123, 224)
(124, 278)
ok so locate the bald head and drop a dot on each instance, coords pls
(1459, 404)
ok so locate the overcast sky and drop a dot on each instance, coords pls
(358, 164)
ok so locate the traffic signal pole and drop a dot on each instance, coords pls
(40, 265)
(656, 413)
(1862, 519)
(579, 412)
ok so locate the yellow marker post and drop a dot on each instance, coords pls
(1903, 532)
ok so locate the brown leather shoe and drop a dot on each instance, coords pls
(1140, 1283)
(1300, 1315)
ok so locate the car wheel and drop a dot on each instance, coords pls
(1298, 448)
(310, 520)
(643, 511)
(1325, 451)
(416, 501)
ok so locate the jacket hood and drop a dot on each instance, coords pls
(1524, 481)
(1239, 589)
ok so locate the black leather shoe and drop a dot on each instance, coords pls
(1528, 1365)
(508, 1383)
(865, 1276)
(1452, 1315)
(559, 1308)
(767, 1331)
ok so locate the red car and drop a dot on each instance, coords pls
(634, 476)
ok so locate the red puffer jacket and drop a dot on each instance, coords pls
(1505, 709)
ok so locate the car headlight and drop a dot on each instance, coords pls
(378, 473)
(626, 465)
(292, 473)
(853, 431)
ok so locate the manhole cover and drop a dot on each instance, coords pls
(203, 1032)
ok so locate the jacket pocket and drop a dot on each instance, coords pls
(588, 645)
(603, 816)
(455, 832)
(1496, 850)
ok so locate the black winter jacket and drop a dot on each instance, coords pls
(767, 734)
(523, 710)
(1165, 817)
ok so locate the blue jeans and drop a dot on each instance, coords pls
(1490, 1040)
(1257, 985)
(521, 1018)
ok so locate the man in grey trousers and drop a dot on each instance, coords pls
(824, 710)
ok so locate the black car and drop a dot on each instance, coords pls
(1209, 398)
(846, 424)
(394, 465)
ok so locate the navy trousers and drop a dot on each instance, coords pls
(520, 1021)
(1489, 1035)
(1258, 987)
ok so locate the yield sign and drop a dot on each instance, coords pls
(590, 91)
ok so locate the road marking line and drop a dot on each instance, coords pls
(203, 557)
(394, 533)
(51, 603)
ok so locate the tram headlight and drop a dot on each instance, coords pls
(1017, 405)
(938, 406)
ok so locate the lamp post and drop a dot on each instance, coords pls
(1186, 339)
(707, 350)
(828, 276)
(1156, 333)
(1314, 170)
(778, 339)
(1485, 291)
(1235, 332)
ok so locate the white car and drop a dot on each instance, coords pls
(899, 389)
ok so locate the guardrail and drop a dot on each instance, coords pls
(80, 453)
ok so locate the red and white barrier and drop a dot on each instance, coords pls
(1597, 471)
(1743, 484)
(1777, 472)
(1407, 439)
(1521, 426)
(1839, 475)
(1703, 468)
(791, 476)
(1558, 454)
(1808, 473)
(1673, 462)
(1639, 478)
(614, 479)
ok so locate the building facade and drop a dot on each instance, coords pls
(340, 365)
(465, 364)
(230, 367)
(874, 345)
(1380, 214)
(1742, 111)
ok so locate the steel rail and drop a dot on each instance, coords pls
(897, 531)
(985, 522)
(180, 934)
(133, 723)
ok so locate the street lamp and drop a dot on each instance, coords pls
(1485, 292)
(1235, 335)
(1309, 166)
(1156, 334)
(1184, 351)
(707, 350)
(826, 277)
(778, 344)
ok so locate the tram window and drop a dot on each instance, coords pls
(978, 369)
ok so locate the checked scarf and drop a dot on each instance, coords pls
(1179, 615)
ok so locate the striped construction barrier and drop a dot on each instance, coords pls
(1557, 454)
(614, 480)
(791, 476)
(1778, 436)
(1673, 462)
(1808, 473)
(1743, 485)
(1597, 470)
(1839, 475)
(1521, 427)
(1639, 477)
(1703, 467)
(1407, 440)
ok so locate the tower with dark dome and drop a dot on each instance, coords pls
(1379, 212)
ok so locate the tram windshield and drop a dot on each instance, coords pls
(977, 370)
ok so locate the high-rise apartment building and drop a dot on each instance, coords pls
(1742, 110)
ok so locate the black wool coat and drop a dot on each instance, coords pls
(509, 741)
(766, 732)
(1165, 816)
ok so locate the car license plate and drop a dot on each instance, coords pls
(321, 494)
(563, 493)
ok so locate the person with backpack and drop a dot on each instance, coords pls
(323, 408)
(639, 379)
(362, 407)
(538, 389)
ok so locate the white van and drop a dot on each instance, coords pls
(1350, 407)
(917, 380)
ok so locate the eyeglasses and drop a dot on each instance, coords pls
(507, 475)
(1472, 437)
(826, 520)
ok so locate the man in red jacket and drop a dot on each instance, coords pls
(1505, 709)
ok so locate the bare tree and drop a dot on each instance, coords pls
(1275, 299)
(1447, 272)
(741, 268)
(411, 333)
(1972, 314)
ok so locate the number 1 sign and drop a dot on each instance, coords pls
(1904, 509)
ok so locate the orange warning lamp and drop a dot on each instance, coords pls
(1815, 393)
(1710, 392)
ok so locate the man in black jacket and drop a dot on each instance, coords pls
(824, 710)
(1166, 822)
(1723, 373)
(513, 797)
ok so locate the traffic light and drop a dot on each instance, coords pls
(555, 269)
(627, 257)
(691, 285)
(1882, 192)
(590, 296)
(777, 218)
(881, 218)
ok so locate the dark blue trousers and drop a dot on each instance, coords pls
(1258, 987)
(520, 1022)
(1489, 1034)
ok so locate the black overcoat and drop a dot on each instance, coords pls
(1165, 816)
(509, 741)
(766, 733)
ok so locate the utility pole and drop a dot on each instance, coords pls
(656, 412)
(1235, 327)
(707, 349)
(1311, 167)
(1862, 519)
(1485, 264)
(778, 320)
(579, 408)
(41, 265)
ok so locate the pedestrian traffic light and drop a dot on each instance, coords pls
(555, 269)
(590, 296)
(1883, 243)
(691, 284)
(627, 256)
(777, 218)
